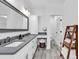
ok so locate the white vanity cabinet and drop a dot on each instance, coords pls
(32, 48)
(27, 52)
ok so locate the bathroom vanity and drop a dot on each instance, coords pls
(14, 22)
(20, 49)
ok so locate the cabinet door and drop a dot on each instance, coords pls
(21, 54)
(30, 51)
(32, 48)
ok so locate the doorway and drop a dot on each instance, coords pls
(55, 30)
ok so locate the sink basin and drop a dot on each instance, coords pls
(14, 44)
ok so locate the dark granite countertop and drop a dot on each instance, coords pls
(13, 50)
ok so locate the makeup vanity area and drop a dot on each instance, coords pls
(16, 42)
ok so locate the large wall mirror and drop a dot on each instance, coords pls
(11, 18)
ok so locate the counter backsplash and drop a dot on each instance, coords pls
(9, 37)
(12, 34)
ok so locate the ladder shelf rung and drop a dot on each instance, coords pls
(66, 44)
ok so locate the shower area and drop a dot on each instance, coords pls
(55, 31)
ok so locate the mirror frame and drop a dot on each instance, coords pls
(19, 12)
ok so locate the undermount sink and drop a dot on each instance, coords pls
(14, 44)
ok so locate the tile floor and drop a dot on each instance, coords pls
(47, 54)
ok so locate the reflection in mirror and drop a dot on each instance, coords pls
(9, 19)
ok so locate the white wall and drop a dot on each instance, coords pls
(44, 13)
(3, 22)
(68, 10)
(70, 14)
(70, 17)
(33, 24)
(42, 22)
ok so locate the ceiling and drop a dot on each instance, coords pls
(43, 6)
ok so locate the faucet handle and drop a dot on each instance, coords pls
(8, 39)
(20, 36)
(4, 40)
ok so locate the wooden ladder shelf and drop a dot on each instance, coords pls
(72, 35)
